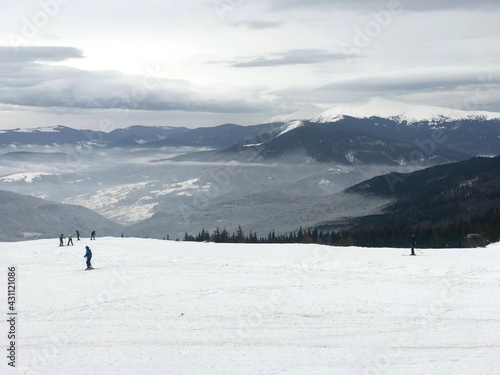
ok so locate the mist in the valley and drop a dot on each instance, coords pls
(155, 195)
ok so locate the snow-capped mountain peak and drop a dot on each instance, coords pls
(402, 112)
(46, 129)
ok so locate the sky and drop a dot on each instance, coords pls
(111, 64)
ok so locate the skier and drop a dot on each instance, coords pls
(70, 240)
(413, 244)
(77, 236)
(92, 235)
(61, 240)
(88, 255)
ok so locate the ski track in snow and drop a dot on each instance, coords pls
(162, 307)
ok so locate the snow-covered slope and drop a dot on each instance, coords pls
(402, 112)
(290, 125)
(27, 177)
(161, 307)
(47, 129)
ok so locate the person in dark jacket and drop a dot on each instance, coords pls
(413, 244)
(77, 236)
(61, 240)
(88, 255)
(92, 235)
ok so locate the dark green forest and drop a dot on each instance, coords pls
(479, 231)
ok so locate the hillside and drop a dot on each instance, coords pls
(25, 217)
(472, 178)
(162, 307)
(361, 141)
(444, 203)
(327, 143)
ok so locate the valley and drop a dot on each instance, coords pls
(165, 181)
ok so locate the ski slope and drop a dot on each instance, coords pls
(162, 307)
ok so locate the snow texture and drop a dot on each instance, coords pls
(402, 112)
(27, 177)
(46, 129)
(290, 125)
(161, 307)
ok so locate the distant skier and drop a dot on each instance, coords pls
(92, 235)
(61, 240)
(88, 255)
(77, 236)
(413, 244)
(70, 240)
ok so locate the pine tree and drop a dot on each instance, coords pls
(240, 236)
(216, 235)
(224, 236)
(300, 236)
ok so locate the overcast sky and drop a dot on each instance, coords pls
(109, 64)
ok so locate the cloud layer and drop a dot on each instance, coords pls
(27, 81)
(292, 57)
(206, 62)
(370, 5)
(33, 54)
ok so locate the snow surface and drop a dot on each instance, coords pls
(162, 307)
(46, 129)
(119, 204)
(402, 112)
(290, 125)
(27, 177)
(180, 187)
(109, 203)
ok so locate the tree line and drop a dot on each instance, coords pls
(477, 231)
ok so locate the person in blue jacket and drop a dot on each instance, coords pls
(88, 255)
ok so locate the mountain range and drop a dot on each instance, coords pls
(159, 181)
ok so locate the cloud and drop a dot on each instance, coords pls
(373, 5)
(260, 24)
(453, 87)
(31, 54)
(25, 80)
(407, 81)
(292, 57)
